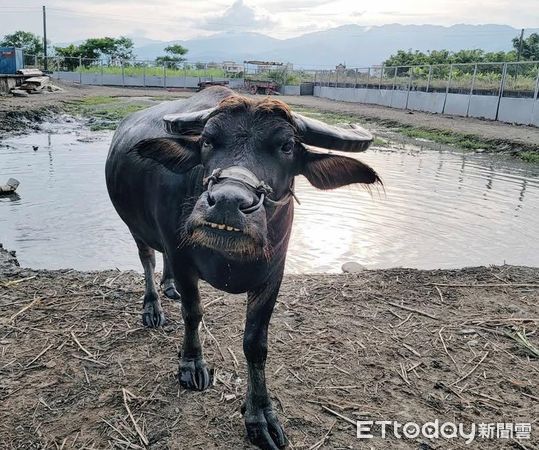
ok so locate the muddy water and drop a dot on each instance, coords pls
(440, 209)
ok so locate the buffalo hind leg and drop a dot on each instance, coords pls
(193, 373)
(167, 282)
(263, 427)
(153, 315)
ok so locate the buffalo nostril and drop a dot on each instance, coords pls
(253, 208)
(211, 200)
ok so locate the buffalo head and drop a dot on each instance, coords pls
(250, 151)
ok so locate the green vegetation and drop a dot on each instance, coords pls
(139, 71)
(438, 136)
(529, 52)
(458, 140)
(113, 49)
(105, 113)
(173, 57)
(529, 156)
(29, 42)
(443, 137)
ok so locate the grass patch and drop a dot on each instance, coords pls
(97, 100)
(441, 137)
(444, 137)
(104, 113)
(529, 156)
(154, 71)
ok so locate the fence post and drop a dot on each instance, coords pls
(368, 77)
(144, 73)
(80, 69)
(336, 78)
(35, 61)
(471, 90)
(355, 82)
(535, 94)
(502, 85)
(393, 87)
(429, 78)
(58, 67)
(447, 87)
(410, 80)
(164, 74)
(381, 78)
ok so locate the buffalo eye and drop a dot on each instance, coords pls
(287, 148)
(206, 145)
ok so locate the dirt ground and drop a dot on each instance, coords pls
(513, 136)
(77, 369)
(503, 133)
(20, 113)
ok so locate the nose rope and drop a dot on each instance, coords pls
(249, 179)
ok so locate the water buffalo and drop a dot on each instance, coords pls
(208, 182)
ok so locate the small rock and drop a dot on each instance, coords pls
(467, 331)
(352, 267)
(19, 93)
(230, 397)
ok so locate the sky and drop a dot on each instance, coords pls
(72, 20)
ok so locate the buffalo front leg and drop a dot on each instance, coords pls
(263, 427)
(167, 282)
(153, 314)
(193, 372)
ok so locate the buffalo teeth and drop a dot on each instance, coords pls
(221, 226)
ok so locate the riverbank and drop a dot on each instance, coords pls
(18, 114)
(77, 368)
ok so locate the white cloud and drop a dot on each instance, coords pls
(72, 20)
(239, 16)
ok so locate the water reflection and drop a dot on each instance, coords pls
(440, 209)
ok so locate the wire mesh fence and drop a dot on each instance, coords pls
(511, 79)
(93, 71)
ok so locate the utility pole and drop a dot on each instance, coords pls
(520, 44)
(45, 37)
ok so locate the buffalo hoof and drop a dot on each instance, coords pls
(172, 293)
(153, 315)
(264, 429)
(194, 374)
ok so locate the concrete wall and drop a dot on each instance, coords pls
(513, 110)
(140, 81)
(483, 106)
(290, 90)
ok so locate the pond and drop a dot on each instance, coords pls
(438, 209)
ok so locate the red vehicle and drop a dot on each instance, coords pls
(262, 87)
(260, 77)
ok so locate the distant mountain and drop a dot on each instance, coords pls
(218, 47)
(355, 45)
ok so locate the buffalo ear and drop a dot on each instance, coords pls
(176, 155)
(327, 171)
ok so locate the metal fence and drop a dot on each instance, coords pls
(163, 74)
(507, 79)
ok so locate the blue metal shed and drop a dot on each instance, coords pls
(11, 60)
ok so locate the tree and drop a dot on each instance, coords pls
(113, 49)
(530, 47)
(29, 42)
(174, 56)
(70, 56)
